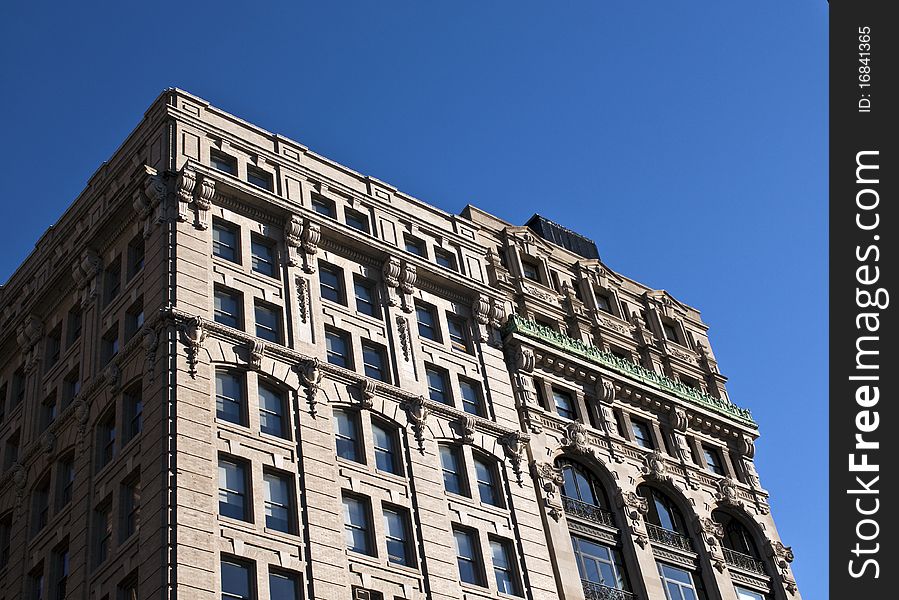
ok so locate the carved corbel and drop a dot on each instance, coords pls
(577, 440)
(391, 277)
(728, 493)
(203, 202)
(311, 375)
(85, 272)
(782, 557)
(481, 309)
(154, 192)
(465, 425)
(521, 358)
(514, 446)
(257, 351)
(112, 375)
(187, 181)
(293, 239)
(28, 335)
(193, 334)
(549, 478)
(309, 245)
(367, 389)
(417, 413)
(654, 467)
(406, 288)
(711, 533)
(634, 508)
(48, 442)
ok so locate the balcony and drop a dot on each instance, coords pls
(597, 591)
(589, 512)
(743, 561)
(669, 538)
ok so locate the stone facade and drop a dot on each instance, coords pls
(233, 362)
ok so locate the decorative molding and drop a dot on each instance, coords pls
(712, 534)
(186, 182)
(576, 439)
(28, 334)
(728, 493)
(303, 298)
(634, 507)
(203, 202)
(782, 557)
(311, 374)
(655, 467)
(293, 239)
(257, 352)
(417, 412)
(193, 334)
(367, 389)
(402, 326)
(149, 342)
(309, 244)
(466, 427)
(514, 446)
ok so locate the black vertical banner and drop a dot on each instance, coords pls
(864, 362)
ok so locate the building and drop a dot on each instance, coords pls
(237, 369)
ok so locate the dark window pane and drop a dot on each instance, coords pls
(468, 557)
(227, 308)
(487, 488)
(365, 297)
(346, 432)
(283, 587)
(471, 397)
(373, 361)
(229, 400)
(223, 162)
(331, 283)
(224, 241)
(445, 259)
(642, 435)
(437, 385)
(235, 581)
(427, 323)
(356, 220)
(268, 323)
(395, 531)
(504, 568)
(277, 503)
(323, 206)
(564, 405)
(457, 333)
(452, 473)
(336, 348)
(232, 490)
(415, 246)
(259, 178)
(356, 525)
(385, 448)
(271, 411)
(263, 257)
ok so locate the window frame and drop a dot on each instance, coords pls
(338, 290)
(290, 508)
(456, 471)
(461, 341)
(366, 528)
(221, 292)
(258, 241)
(218, 226)
(402, 514)
(510, 569)
(248, 567)
(445, 391)
(217, 157)
(476, 406)
(430, 329)
(362, 283)
(379, 371)
(281, 416)
(571, 412)
(446, 259)
(261, 178)
(355, 442)
(221, 398)
(476, 560)
(356, 219)
(245, 495)
(274, 334)
(494, 481)
(392, 452)
(332, 333)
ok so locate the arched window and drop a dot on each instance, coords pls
(583, 495)
(662, 511)
(740, 550)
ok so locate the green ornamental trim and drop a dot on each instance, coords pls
(517, 324)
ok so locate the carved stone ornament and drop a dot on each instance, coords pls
(391, 272)
(711, 532)
(84, 272)
(187, 181)
(193, 334)
(311, 374)
(20, 481)
(480, 309)
(257, 352)
(605, 390)
(751, 474)
(576, 439)
(654, 466)
(683, 447)
(521, 358)
(678, 418)
(203, 202)
(466, 427)
(417, 413)
(309, 245)
(303, 299)
(367, 389)
(293, 239)
(112, 375)
(149, 202)
(728, 493)
(402, 328)
(28, 334)
(782, 557)
(150, 342)
(82, 415)
(48, 441)
(549, 478)
(747, 447)
(634, 507)
(399, 280)
(514, 445)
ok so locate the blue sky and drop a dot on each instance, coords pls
(689, 140)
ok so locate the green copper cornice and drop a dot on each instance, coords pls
(517, 324)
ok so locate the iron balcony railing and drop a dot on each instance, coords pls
(587, 511)
(597, 591)
(669, 538)
(744, 561)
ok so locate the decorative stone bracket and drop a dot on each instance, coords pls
(149, 201)
(399, 281)
(634, 508)
(193, 334)
(514, 445)
(189, 194)
(782, 557)
(417, 413)
(488, 316)
(577, 440)
(654, 467)
(311, 374)
(257, 352)
(712, 533)
(548, 478)
(84, 272)
(28, 335)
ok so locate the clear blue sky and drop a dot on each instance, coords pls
(689, 139)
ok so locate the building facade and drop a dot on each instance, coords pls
(237, 369)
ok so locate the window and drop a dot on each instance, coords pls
(488, 490)
(229, 398)
(427, 322)
(679, 584)
(744, 594)
(564, 404)
(453, 475)
(228, 308)
(415, 246)
(445, 259)
(134, 318)
(36, 583)
(12, 451)
(40, 504)
(278, 502)
(54, 345)
(374, 362)
(237, 577)
(135, 256)
(578, 484)
(48, 411)
(366, 295)
(259, 178)
(357, 524)
(18, 387)
(690, 383)
(128, 587)
(5, 535)
(530, 271)
(346, 431)
(598, 564)
(262, 256)
(71, 386)
(109, 345)
(356, 220)
(471, 397)
(133, 403)
(458, 333)
(603, 302)
(670, 332)
(233, 490)
(438, 385)
(713, 460)
(3, 392)
(396, 530)
(102, 531)
(73, 326)
(330, 280)
(662, 511)
(283, 585)
(65, 474)
(271, 412)
(736, 536)
(504, 567)
(112, 280)
(130, 506)
(223, 162)
(106, 435)
(268, 322)
(385, 441)
(642, 434)
(224, 241)
(323, 206)
(337, 348)
(468, 556)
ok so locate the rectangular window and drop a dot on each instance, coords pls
(134, 318)
(283, 585)
(225, 241)
(453, 475)
(229, 398)
(468, 556)
(375, 362)
(385, 442)
(488, 490)
(268, 322)
(564, 404)
(109, 345)
(415, 246)
(438, 384)
(357, 220)
(53, 346)
(337, 348)
(259, 178)
(713, 460)
(130, 506)
(445, 259)
(237, 580)
(112, 280)
(366, 297)
(222, 162)
(233, 490)
(603, 303)
(346, 432)
(48, 411)
(262, 254)
(530, 271)
(504, 567)
(278, 502)
(36, 583)
(40, 505)
(3, 393)
(330, 280)
(471, 397)
(227, 308)
(133, 404)
(73, 326)
(65, 474)
(427, 322)
(323, 206)
(271, 412)
(396, 530)
(642, 434)
(357, 524)
(135, 256)
(5, 536)
(670, 332)
(458, 333)
(12, 451)
(18, 387)
(106, 435)
(127, 588)
(102, 532)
